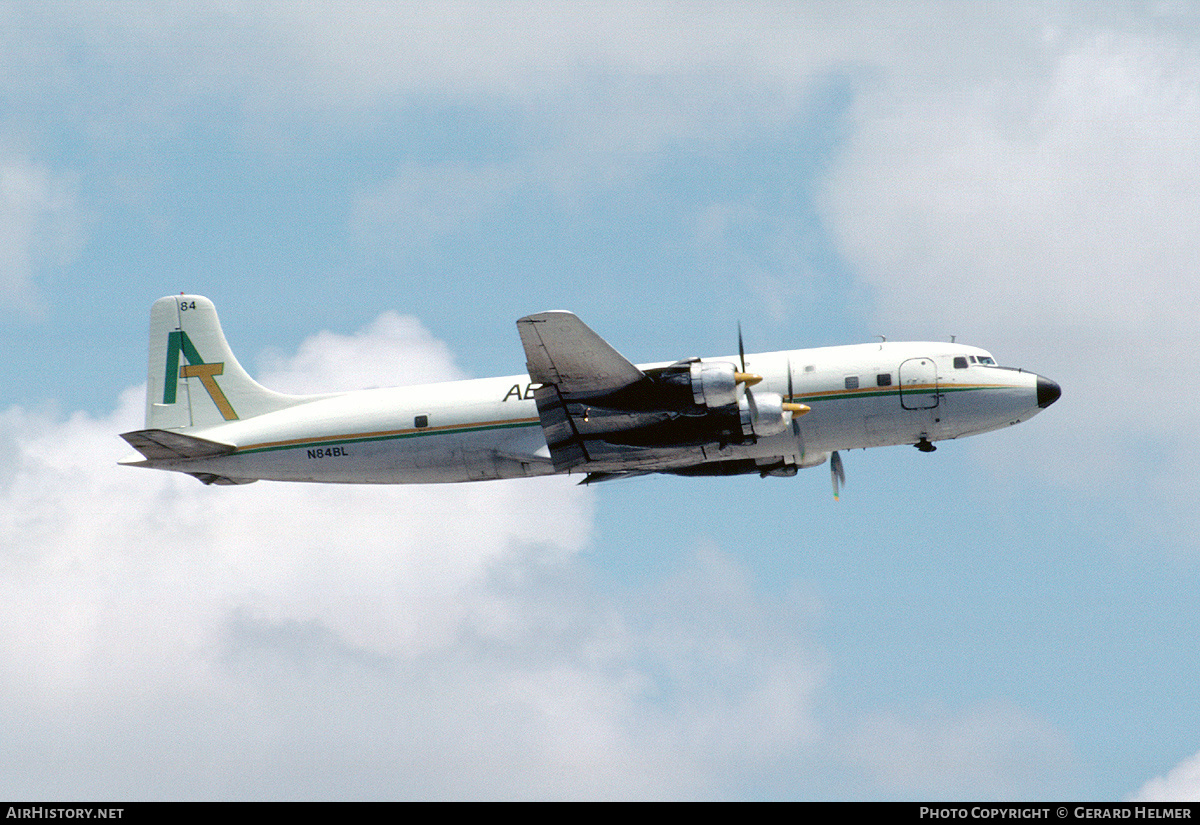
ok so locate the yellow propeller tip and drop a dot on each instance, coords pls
(747, 378)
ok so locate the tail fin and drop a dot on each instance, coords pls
(194, 379)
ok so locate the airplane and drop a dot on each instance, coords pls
(580, 408)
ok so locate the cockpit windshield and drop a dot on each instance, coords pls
(962, 362)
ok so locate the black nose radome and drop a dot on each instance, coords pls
(1048, 392)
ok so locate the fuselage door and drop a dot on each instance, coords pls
(918, 384)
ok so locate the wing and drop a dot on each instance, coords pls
(593, 401)
(564, 351)
(573, 364)
(605, 416)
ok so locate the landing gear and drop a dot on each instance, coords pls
(925, 445)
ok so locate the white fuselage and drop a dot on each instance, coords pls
(865, 395)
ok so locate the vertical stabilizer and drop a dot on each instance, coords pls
(194, 380)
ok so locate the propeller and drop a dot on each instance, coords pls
(749, 379)
(743, 377)
(796, 410)
(789, 406)
(837, 472)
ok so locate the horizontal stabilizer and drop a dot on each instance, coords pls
(163, 444)
(210, 478)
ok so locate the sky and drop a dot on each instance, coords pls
(372, 193)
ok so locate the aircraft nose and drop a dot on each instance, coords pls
(1047, 392)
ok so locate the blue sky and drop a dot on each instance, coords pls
(372, 193)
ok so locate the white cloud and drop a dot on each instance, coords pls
(1047, 213)
(989, 751)
(355, 52)
(39, 228)
(328, 69)
(1071, 213)
(401, 352)
(1181, 784)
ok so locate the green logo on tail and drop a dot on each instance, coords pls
(195, 367)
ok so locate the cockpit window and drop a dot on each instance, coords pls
(987, 359)
(960, 362)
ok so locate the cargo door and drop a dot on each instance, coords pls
(918, 384)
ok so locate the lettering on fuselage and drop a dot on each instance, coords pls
(328, 452)
(521, 395)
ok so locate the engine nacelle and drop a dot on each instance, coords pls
(713, 384)
(812, 460)
(765, 416)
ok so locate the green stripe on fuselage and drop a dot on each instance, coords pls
(925, 389)
(338, 440)
(333, 441)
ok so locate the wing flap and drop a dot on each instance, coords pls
(562, 437)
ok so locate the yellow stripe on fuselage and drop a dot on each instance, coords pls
(383, 435)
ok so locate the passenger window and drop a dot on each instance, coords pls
(421, 421)
(960, 363)
(851, 382)
(884, 379)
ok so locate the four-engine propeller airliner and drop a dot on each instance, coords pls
(581, 408)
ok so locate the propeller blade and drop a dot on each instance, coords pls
(746, 379)
(795, 408)
(837, 472)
